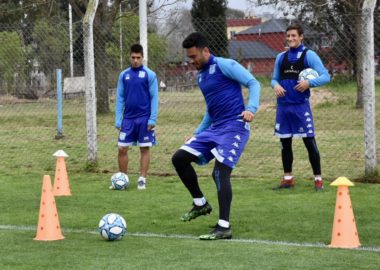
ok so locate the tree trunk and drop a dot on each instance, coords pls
(101, 68)
(368, 67)
(359, 24)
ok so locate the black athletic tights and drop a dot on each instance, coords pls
(312, 149)
(221, 175)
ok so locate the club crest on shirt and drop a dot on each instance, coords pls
(127, 77)
(212, 69)
(141, 74)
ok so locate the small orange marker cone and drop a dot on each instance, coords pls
(344, 233)
(61, 180)
(48, 228)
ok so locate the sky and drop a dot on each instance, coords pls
(238, 4)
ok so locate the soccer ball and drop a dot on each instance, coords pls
(308, 74)
(112, 227)
(119, 181)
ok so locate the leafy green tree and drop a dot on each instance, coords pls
(209, 17)
(13, 60)
(130, 35)
(232, 13)
(52, 45)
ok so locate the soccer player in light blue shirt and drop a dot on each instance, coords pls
(222, 134)
(293, 116)
(136, 112)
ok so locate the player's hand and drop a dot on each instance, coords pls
(150, 127)
(247, 116)
(302, 86)
(279, 91)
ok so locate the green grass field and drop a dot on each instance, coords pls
(272, 229)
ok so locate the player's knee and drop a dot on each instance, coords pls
(177, 158)
(181, 157)
(123, 150)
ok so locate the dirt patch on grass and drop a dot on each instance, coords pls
(318, 96)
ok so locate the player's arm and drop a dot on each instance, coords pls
(237, 72)
(120, 101)
(205, 123)
(153, 91)
(315, 63)
(275, 83)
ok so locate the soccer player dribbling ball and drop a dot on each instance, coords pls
(222, 134)
(293, 116)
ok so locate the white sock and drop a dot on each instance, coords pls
(224, 223)
(199, 201)
(288, 177)
(318, 178)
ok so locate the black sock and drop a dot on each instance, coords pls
(182, 163)
(221, 175)
(314, 157)
(287, 154)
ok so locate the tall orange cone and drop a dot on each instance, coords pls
(61, 180)
(48, 228)
(344, 233)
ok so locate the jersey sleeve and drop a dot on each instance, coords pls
(315, 63)
(120, 101)
(153, 91)
(276, 70)
(233, 70)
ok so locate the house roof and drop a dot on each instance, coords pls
(243, 22)
(274, 26)
(250, 50)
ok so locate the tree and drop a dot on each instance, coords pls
(232, 13)
(52, 42)
(130, 29)
(209, 17)
(13, 60)
(103, 23)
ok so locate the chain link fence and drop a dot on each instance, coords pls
(30, 57)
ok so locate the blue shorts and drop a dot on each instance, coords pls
(225, 143)
(294, 120)
(135, 132)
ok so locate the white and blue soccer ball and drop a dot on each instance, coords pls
(119, 181)
(112, 227)
(308, 74)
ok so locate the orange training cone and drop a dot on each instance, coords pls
(48, 228)
(61, 180)
(344, 233)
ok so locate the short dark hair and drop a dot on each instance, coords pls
(195, 39)
(295, 26)
(137, 48)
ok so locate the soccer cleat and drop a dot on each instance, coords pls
(285, 184)
(318, 185)
(141, 184)
(217, 233)
(197, 211)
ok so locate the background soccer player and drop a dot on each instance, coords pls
(223, 132)
(293, 116)
(136, 112)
